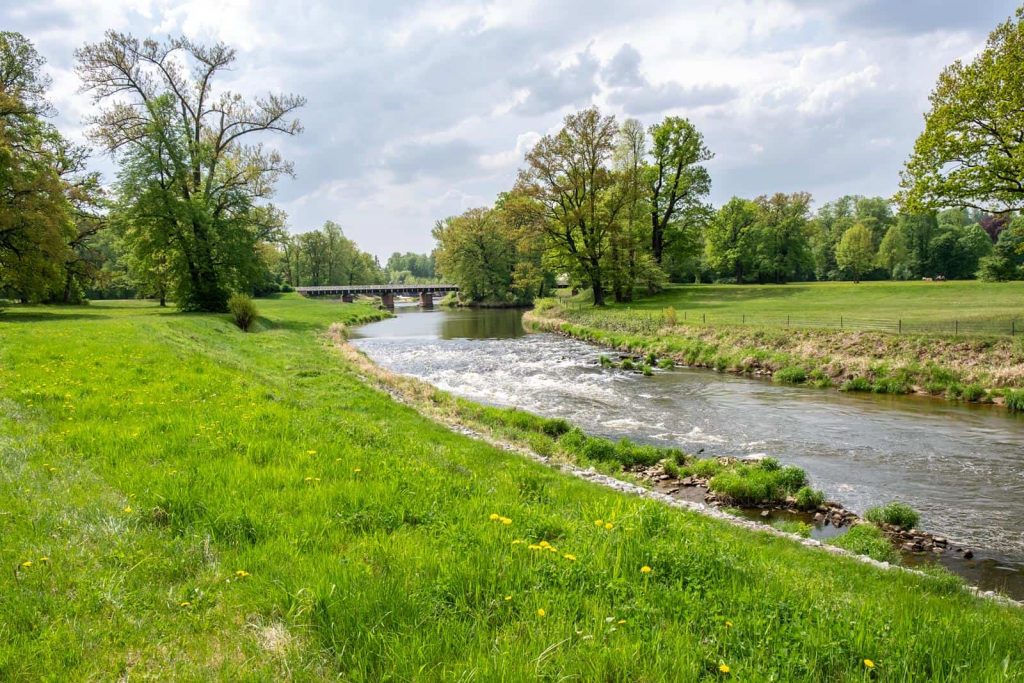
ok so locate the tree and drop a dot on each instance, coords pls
(855, 252)
(1007, 259)
(729, 239)
(894, 254)
(579, 200)
(188, 171)
(678, 184)
(782, 250)
(971, 153)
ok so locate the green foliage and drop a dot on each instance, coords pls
(765, 482)
(865, 539)
(793, 374)
(855, 252)
(895, 513)
(627, 364)
(671, 319)
(705, 468)
(242, 310)
(1014, 399)
(969, 152)
(326, 257)
(809, 499)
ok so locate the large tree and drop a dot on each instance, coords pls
(570, 179)
(188, 169)
(678, 183)
(730, 240)
(855, 253)
(971, 153)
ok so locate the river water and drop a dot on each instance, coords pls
(961, 466)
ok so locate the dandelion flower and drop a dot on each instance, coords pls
(534, 546)
(506, 521)
(620, 622)
(728, 623)
(494, 517)
(127, 508)
(184, 603)
(44, 560)
(310, 452)
(507, 598)
(26, 564)
(544, 544)
(598, 522)
(608, 525)
(724, 668)
(518, 541)
(357, 470)
(241, 573)
(645, 569)
(570, 557)
(541, 612)
(869, 664)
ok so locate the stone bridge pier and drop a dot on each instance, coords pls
(388, 300)
(426, 300)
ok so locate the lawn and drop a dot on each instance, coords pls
(184, 501)
(981, 306)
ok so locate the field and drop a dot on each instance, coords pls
(181, 500)
(942, 307)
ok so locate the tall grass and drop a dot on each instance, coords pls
(182, 502)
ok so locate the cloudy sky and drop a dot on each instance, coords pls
(419, 110)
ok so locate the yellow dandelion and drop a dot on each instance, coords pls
(608, 525)
(494, 517)
(127, 508)
(507, 598)
(645, 569)
(598, 522)
(724, 668)
(184, 603)
(552, 549)
(869, 664)
(728, 623)
(620, 622)
(541, 612)
(241, 573)
(506, 521)
(44, 560)
(518, 541)
(26, 564)
(544, 544)
(570, 557)
(534, 546)
(357, 470)
(310, 452)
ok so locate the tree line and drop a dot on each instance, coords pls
(621, 209)
(189, 216)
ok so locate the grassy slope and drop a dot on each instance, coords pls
(151, 456)
(927, 301)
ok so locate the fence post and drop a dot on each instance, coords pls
(1013, 328)
(703, 317)
(787, 321)
(956, 327)
(744, 318)
(840, 322)
(899, 329)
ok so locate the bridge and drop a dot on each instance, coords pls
(387, 293)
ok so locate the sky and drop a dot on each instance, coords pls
(419, 110)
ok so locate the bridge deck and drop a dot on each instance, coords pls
(376, 290)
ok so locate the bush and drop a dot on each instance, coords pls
(802, 529)
(1015, 399)
(627, 364)
(895, 513)
(794, 374)
(973, 392)
(808, 498)
(856, 384)
(606, 362)
(646, 370)
(242, 310)
(671, 319)
(865, 539)
(744, 484)
(666, 364)
(705, 468)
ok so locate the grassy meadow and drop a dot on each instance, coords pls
(181, 500)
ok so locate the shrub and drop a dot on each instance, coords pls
(666, 364)
(671, 468)
(1015, 399)
(606, 362)
(555, 427)
(793, 374)
(856, 384)
(808, 498)
(769, 464)
(650, 358)
(865, 539)
(646, 370)
(973, 392)
(627, 364)
(671, 319)
(242, 310)
(746, 485)
(707, 467)
(895, 513)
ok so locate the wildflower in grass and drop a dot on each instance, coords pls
(44, 560)
(608, 526)
(570, 557)
(310, 452)
(507, 598)
(598, 522)
(620, 622)
(645, 569)
(728, 623)
(127, 508)
(26, 564)
(184, 603)
(541, 612)
(357, 470)
(241, 573)
(868, 664)
(494, 517)
(544, 544)
(506, 521)
(518, 541)
(534, 546)
(724, 668)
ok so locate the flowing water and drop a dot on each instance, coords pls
(961, 466)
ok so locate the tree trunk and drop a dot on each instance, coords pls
(657, 240)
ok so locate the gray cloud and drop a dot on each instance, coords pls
(649, 99)
(552, 88)
(448, 159)
(624, 68)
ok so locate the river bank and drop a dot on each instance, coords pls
(973, 370)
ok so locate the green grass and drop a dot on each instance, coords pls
(219, 505)
(764, 482)
(825, 302)
(865, 539)
(895, 513)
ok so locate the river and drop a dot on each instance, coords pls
(961, 466)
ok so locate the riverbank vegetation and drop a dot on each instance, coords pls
(242, 506)
(979, 368)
